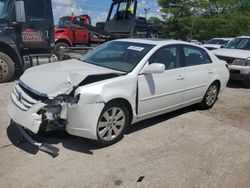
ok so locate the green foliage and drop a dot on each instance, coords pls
(154, 20)
(205, 19)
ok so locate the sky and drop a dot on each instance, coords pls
(98, 9)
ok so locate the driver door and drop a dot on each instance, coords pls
(80, 35)
(163, 91)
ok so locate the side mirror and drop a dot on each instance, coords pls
(154, 68)
(20, 12)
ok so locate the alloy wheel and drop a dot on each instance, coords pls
(211, 95)
(111, 124)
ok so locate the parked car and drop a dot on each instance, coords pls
(194, 41)
(237, 54)
(117, 84)
(216, 43)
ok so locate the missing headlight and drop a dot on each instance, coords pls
(53, 112)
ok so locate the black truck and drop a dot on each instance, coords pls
(26, 35)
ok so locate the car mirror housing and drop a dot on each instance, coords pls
(154, 68)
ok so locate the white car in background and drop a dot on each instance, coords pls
(216, 43)
(237, 54)
(117, 84)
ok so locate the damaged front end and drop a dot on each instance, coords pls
(35, 112)
(38, 112)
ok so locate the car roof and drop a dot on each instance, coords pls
(248, 37)
(156, 41)
(221, 39)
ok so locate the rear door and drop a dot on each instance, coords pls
(38, 30)
(198, 72)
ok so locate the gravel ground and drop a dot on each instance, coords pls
(186, 148)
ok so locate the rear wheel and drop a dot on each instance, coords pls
(7, 68)
(210, 96)
(112, 123)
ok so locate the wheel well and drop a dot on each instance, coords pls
(128, 105)
(218, 82)
(64, 41)
(6, 49)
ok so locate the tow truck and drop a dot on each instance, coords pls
(67, 36)
(27, 36)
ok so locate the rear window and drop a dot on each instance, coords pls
(195, 56)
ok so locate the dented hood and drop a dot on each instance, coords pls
(60, 78)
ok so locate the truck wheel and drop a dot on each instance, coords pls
(61, 45)
(7, 68)
(247, 82)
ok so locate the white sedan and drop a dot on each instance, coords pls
(117, 84)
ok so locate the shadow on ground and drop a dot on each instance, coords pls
(79, 144)
(236, 84)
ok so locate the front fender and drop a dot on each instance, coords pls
(8, 46)
(60, 36)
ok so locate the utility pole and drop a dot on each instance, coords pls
(146, 10)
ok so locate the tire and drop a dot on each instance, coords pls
(61, 45)
(246, 82)
(210, 97)
(110, 130)
(7, 68)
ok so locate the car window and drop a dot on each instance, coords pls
(239, 43)
(36, 12)
(64, 22)
(195, 56)
(169, 56)
(118, 55)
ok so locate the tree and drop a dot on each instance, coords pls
(204, 19)
(154, 20)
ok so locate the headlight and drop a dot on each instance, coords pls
(240, 62)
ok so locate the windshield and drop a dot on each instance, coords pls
(239, 43)
(217, 41)
(63, 22)
(4, 8)
(118, 55)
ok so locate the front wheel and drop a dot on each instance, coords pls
(61, 45)
(210, 96)
(7, 68)
(112, 123)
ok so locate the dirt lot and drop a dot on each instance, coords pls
(187, 148)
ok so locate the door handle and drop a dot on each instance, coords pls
(180, 77)
(210, 72)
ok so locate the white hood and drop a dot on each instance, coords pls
(234, 53)
(60, 78)
(214, 46)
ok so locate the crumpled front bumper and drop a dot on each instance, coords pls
(29, 118)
